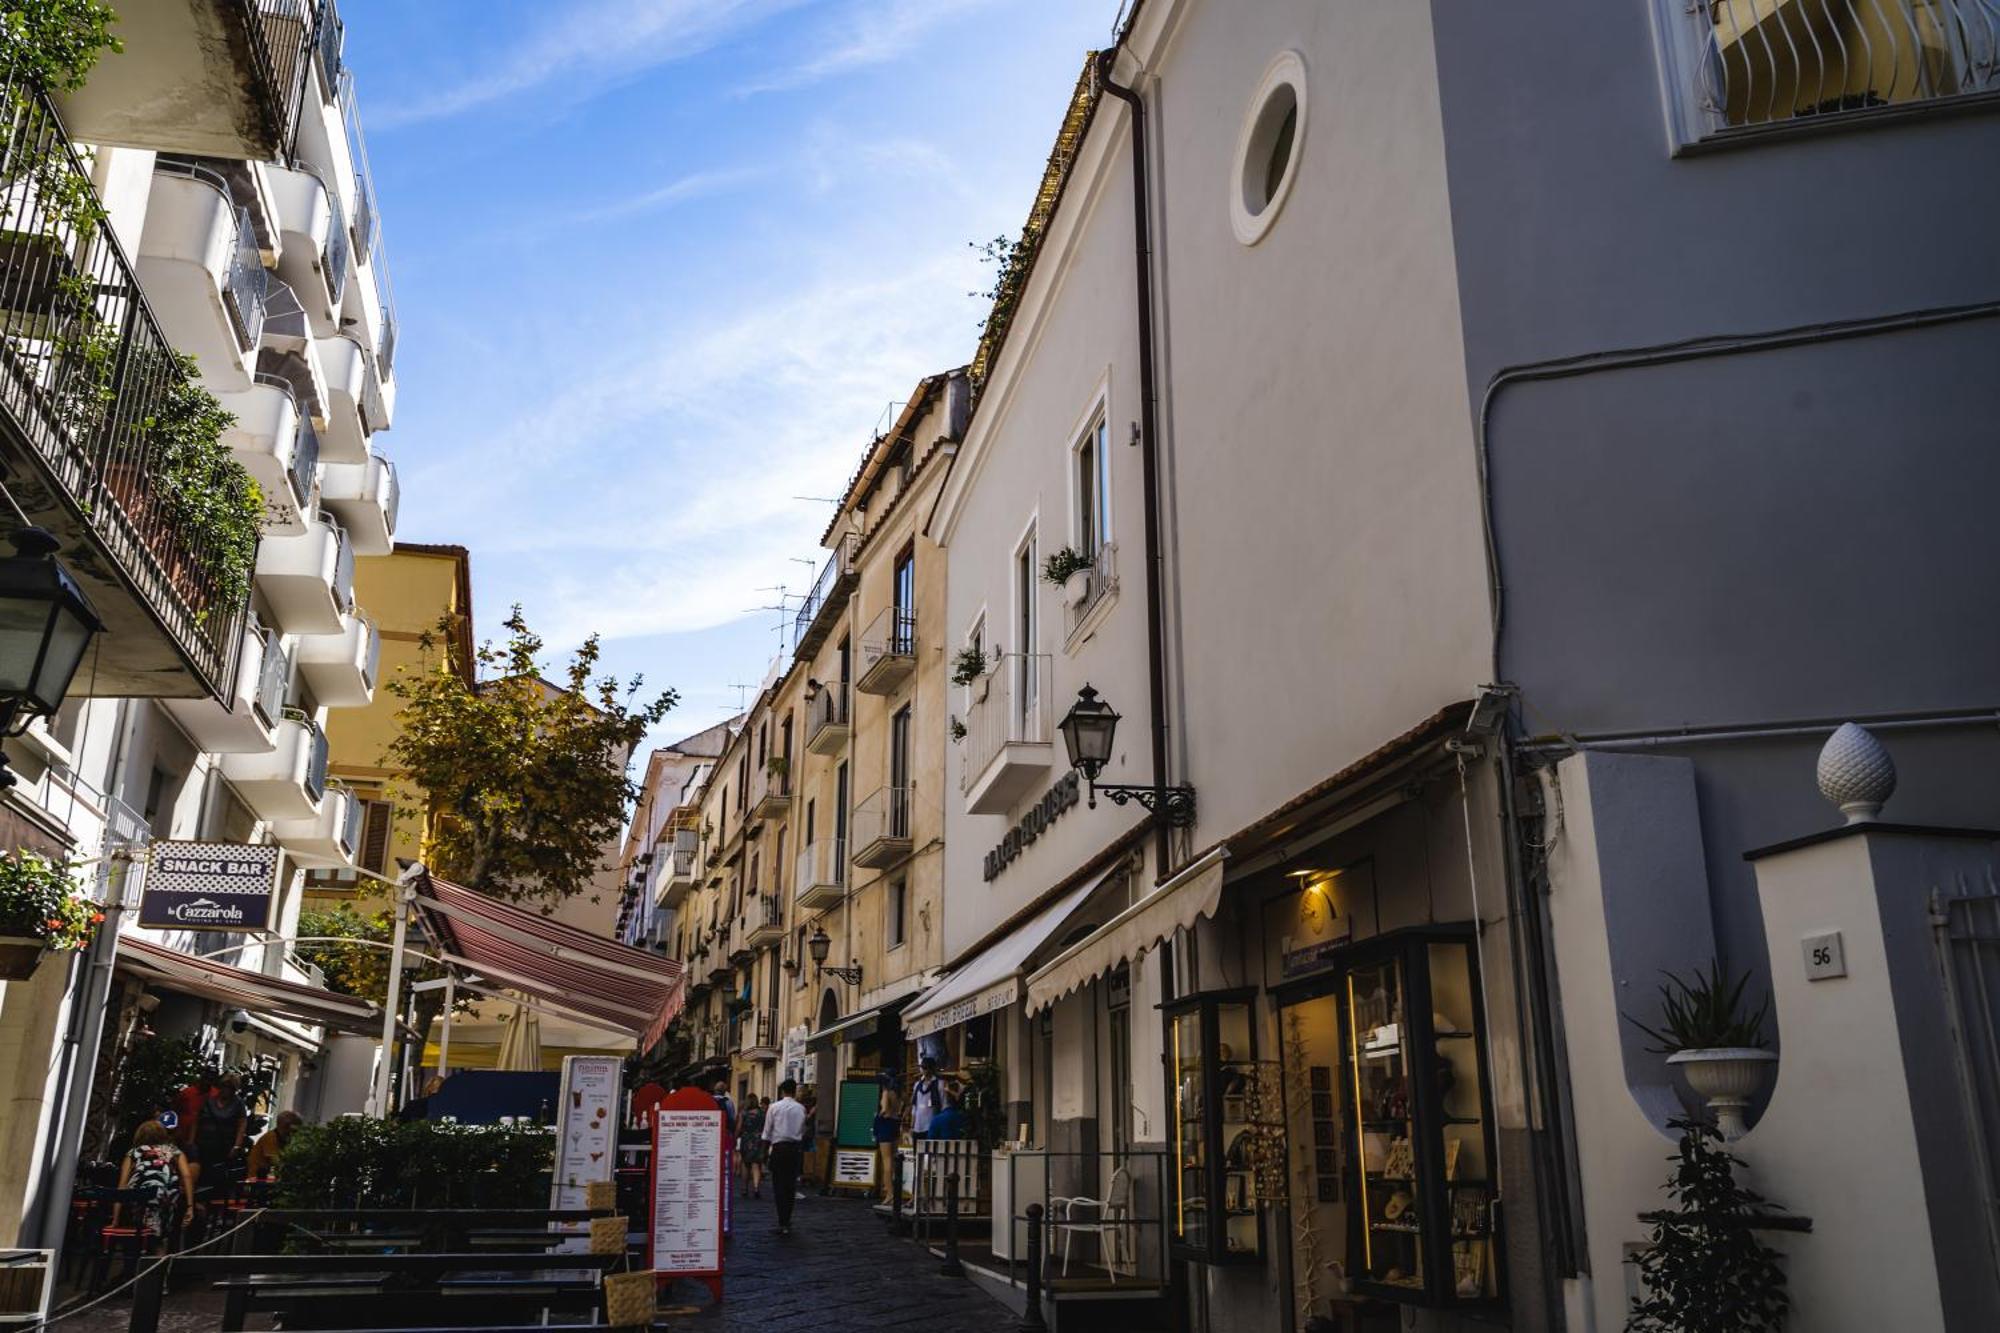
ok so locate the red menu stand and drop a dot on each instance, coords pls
(689, 1198)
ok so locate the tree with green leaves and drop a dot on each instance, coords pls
(527, 779)
(1704, 1267)
(360, 968)
(56, 41)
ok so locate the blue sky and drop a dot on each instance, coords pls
(662, 266)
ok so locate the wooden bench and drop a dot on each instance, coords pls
(450, 1230)
(455, 1289)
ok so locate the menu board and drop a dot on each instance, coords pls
(688, 1175)
(586, 1127)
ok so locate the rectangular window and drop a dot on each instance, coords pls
(376, 819)
(899, 773)
(1093, 490)
(905, 595)
(840, 819)
(1024, 594)
(896, 913)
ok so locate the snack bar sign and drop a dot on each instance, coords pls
(208, 886)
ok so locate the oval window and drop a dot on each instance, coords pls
(1267, 150)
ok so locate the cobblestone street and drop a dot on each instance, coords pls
(838, 1272)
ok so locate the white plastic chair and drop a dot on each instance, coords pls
(1107, 1218)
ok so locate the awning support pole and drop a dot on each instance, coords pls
(385, 1065)
(444, 1037)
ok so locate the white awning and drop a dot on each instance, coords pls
(1175, 905)
(991, 980)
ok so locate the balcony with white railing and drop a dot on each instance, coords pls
(308, 580)
(682, 870)
(329, 839)
(287, 781)
(364, 497)
(1008, 747)
(276, 444)
(244, 721)
(1090, 588)
(344, 362)
(1745, 65)
(829, 719)
(199, 262)
(882, 827)
(888, 651)
(341, 668)
(821, 881)
(766, 926)
(305, 209)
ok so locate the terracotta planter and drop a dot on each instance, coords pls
(20, 955)
(1728, 1077)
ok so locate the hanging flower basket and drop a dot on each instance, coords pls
(20, 955)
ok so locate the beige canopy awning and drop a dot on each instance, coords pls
(1176, 905)
(991, 980)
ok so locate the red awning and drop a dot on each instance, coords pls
(625, 989)
(264, 995)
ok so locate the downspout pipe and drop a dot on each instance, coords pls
(1149, 446)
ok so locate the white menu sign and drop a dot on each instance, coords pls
(687, 1191)
(586, 1127)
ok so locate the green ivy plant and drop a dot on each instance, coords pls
(207, 494)
(1704, 1267)
(40, 900)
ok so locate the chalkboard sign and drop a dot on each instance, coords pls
(855, 1127)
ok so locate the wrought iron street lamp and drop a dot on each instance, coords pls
(46, 624)
(819, 946)
(1088, 730)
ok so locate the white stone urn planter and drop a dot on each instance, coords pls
(1076, 588)
(1728, 1077)
(20, 955)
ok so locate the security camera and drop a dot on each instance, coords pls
(239, 1020)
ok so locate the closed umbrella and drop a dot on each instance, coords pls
(521, 1040)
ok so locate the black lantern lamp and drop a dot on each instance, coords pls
(46, 624)
(819, 946)
(1088, 730)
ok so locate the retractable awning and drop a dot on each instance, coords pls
(1175, 905)
(991, 980)
(856, 1027)
(258, 994)
(625, 989)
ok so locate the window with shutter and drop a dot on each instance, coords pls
(375, 821)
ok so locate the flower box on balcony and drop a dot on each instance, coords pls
(20, 955)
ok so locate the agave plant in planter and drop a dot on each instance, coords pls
(40, 912)
(1069, 569)
(968, 664)
(1707, 1033)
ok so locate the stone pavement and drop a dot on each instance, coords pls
(840, 1271)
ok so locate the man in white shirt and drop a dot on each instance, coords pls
(784, 1127)
(926, 1099)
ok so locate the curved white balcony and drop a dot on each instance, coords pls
(245, 720)
(305, 221)
(344, 362)
(341, 667)
(364, 496)
(198, 278)
(308, 580)
(277, 445)
(287, 781)
(328, 840)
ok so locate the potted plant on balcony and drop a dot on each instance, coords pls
(957, 730)
(1068, 569)
(968, 665)
(1706, 1032)
(41, 912)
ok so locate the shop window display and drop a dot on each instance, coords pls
(1228, 1129)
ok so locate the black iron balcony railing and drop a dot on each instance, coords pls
(282, 33)
(85, 375)
(829, 591)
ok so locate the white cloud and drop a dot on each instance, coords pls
(591, 48)
(874, 33)
(680, 190)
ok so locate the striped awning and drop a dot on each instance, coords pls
(260, 995)
(625, 989)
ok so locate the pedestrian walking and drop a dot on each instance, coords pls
(220, 1128)
(926, 1099)
(728, 1107)
(813, 1167)
(784, 1130)
(157, 1169)
(751, 1144)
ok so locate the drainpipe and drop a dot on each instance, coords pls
(1149, 444)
